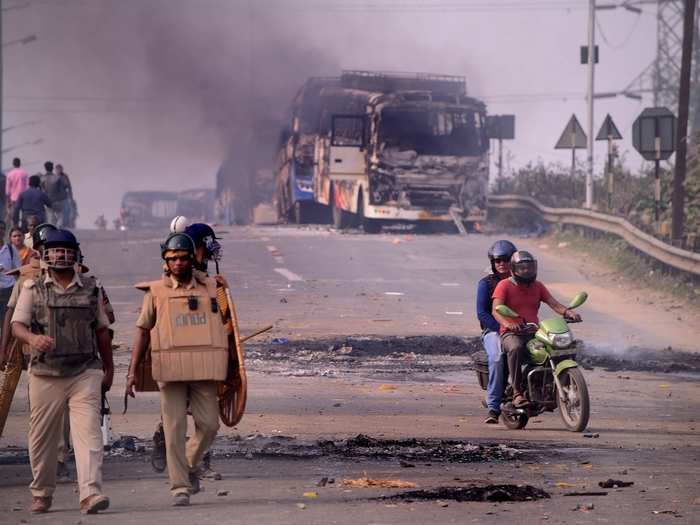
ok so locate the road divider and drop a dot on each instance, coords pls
(290, 276)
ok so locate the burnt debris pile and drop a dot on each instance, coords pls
(422, 450)
(641, 360)
(493, 493)
(372, 356)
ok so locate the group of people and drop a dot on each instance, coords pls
(47, 196)
(59, 316)
(512, 282)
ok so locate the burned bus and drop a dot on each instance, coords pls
(397, 148)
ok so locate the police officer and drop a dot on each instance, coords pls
(189, 354)
(61, 316)
(206, 249)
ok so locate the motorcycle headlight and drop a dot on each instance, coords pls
(562, 340)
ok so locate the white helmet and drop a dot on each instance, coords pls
(178, 224)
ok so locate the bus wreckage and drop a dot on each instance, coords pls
(367, 149)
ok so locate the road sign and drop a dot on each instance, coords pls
(501, 127)
(608, 130)
(654, 133)
(573, 136)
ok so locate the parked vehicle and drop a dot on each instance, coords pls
(155, 209)
(554, 379)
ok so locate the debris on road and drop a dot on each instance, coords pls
(591, 435)
(614, 484)
(494, 493)
(585, 494)
(310, 495)
(367, 482)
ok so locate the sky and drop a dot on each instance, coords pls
(150, 94)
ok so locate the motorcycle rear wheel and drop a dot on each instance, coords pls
(575, 409)
(514, 421)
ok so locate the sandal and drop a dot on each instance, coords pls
(519, 401)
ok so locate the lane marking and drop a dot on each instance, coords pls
(271, 248)
(454, 313)
(449, 284)
(290, 276)
(393, 293)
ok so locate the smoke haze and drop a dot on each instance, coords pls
(144, 94)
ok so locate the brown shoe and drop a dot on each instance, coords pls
(40, 505)
(93, 504)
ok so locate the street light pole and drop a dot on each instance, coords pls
(591, 77)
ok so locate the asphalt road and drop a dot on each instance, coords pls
(315, 284)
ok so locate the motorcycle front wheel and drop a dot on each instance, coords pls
(574, 402)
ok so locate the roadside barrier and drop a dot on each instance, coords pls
(677, 258)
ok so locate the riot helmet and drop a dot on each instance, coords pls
(177, 242)
(523, 267)
(502, 250)
(204, 236)
(40, 233)
(61, 249)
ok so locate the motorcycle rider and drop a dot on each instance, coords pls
(523, 293)
(499, 255)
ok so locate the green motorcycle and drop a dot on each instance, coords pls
(553, 377)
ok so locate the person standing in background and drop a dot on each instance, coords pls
(9, 260)
(32, 201)
(55, 188)
(16, 240)
(16, 182)
(70, 210)
(32, 223)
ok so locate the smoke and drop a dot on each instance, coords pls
(157, 94)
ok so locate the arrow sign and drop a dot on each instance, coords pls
(573, 136)
(654, 133)
(608, 130)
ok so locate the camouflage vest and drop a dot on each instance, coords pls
(70, 320)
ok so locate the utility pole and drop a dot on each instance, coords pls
(678, 199)
(591, 84)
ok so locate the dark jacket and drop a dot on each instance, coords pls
(31, 202)
(484, 303)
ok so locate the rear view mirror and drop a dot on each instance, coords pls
(506, 312)
(578, 300)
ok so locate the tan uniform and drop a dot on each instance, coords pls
(189, 355)
(68, 376)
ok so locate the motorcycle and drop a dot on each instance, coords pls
(554, 379)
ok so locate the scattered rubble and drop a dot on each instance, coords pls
(494, 493)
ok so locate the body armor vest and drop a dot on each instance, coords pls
(70, 320)
(188, 341)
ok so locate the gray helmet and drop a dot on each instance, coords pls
(501, 250)
(523, 267)
(177, 242)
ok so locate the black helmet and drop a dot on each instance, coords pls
(61, 249)
(501, 250)
(177, 242)
(523, 266)
(39, 234)
(203, 235)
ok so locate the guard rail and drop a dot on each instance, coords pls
(645, 243)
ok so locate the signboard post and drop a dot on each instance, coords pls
(608, 131)
(573, 138)
(654, 137)
(500, 127)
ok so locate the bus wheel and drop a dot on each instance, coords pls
(368, 225)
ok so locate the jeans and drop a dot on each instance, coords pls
(494, 390)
